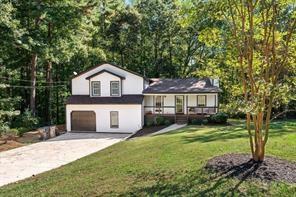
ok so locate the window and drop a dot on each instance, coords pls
(114, 88)
(96, 88)
(158, 103)
(201, 101)
(114, 119)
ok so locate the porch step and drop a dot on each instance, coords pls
(181, 119)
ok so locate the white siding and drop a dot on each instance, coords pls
(192, 100)
(130, 117)
(169, 100)
(210, 100)
(105, 79)
(133, 84)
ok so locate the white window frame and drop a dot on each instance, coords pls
(117, 122)
(93, 83)
(112, 88)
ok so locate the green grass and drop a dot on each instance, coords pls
(165, 165)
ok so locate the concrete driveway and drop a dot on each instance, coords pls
(23, 162)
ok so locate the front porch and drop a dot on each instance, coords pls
(181, 106)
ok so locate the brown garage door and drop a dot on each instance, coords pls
(83, 121)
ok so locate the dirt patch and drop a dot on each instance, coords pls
(10, 144)
(243, 167)
(12, 141)
(148, 130)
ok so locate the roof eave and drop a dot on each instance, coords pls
(104, 71)
(207, 92)
(112, 64)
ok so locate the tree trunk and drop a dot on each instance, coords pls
(57, 95)
(48, 79)
(48, 92)
(33, 83)
(259, 151)
(121, 58)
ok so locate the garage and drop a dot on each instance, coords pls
(83, 121)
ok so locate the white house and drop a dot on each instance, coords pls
(109, 98)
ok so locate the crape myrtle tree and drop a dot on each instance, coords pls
(261, 45)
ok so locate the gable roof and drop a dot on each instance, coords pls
(188, 85)
(98, 65)
(104, 71)
(87, 100)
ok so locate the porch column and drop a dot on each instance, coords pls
(175, 108)
(187, 107)
(153, 104)
(215, 103)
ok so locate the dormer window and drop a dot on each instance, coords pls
(96, 88)
(114, 88)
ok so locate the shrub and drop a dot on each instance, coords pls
(160, 120)
(196, 121)
(3, 127)
(22, 130)
(12, 132)
(205, 121)
(219, 118)
(26, 121)
(167, 122)
(149, 123)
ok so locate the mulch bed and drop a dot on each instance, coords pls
(243, 167)
(148, 130)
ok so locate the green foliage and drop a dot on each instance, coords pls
(149, 123)
(3, 127)
(21, 130)
(167, 122)
(157, 121)
(160, 120)
(197, 121)
(218, 118)
(233, 110)
(7, 104)
(26, 121)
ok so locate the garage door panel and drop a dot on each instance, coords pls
(83, 121)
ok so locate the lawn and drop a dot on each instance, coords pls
(164, 165)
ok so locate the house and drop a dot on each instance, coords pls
(109, 98)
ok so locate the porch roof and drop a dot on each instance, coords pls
(188, 85)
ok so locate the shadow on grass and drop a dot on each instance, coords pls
(198, 183)
(221, 134)
(233, 132)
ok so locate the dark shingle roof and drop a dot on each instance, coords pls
(188, 85)
(87, 100)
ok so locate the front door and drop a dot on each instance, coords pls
(179, 104)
